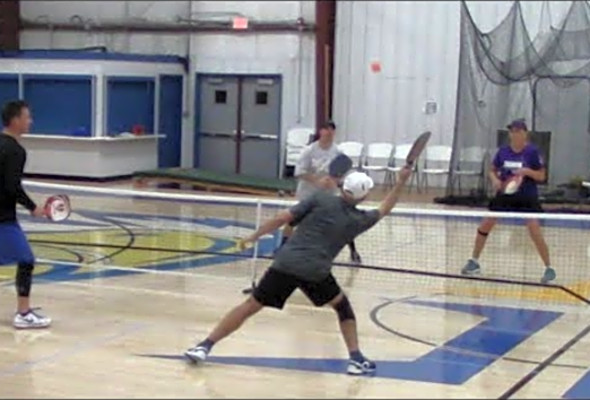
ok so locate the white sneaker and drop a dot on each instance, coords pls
(197, 354)
(364, 367)
(31, 320)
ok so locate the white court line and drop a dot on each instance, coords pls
(146, 270)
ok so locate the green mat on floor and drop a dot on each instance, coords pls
(220, 178)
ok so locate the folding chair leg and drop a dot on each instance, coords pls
(386, 179)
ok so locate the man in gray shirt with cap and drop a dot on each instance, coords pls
(326, 223)
(312, 172)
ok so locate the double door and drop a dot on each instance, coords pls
(239, 124)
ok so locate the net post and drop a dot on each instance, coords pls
(250, 289)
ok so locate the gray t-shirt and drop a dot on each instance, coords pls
(325, 224)
(313, 160)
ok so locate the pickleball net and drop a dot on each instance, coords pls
(113, 232)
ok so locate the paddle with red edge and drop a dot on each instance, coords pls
(58, 207)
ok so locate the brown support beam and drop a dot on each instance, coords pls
(9, 25)
(325, 18)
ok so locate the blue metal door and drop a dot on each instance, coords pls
(169, 148)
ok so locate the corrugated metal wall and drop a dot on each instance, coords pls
(417, 44)
(286, 54)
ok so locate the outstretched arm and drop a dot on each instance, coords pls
(392, 197)
(292, 216)
(282, 218)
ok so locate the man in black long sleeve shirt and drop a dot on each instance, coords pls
(12, 162)
(14, 247)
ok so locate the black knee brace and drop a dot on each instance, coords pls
(479, 232)
(344, 310)
(24, 279)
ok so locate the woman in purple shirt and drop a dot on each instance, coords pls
(518, 159)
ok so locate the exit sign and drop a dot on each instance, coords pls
(240, 23)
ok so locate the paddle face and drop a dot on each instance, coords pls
(340, 165)
(57, 207)
(512, 185)
(417, 148)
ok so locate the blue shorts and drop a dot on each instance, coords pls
(14, 246)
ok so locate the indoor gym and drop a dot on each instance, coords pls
(141, 270)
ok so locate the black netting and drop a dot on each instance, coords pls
(506, 74)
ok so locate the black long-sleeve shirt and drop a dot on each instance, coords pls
(12, 163)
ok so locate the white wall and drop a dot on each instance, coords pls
(208, 53)
(417, 44)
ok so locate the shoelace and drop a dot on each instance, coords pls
(32, 311)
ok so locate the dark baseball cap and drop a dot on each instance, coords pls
(328, 124)
(518, 124)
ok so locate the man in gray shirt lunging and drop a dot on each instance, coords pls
(325, 224)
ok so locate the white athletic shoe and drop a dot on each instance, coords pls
(197, 354)
(31, 320)
(361, 367)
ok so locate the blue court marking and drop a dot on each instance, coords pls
(580, 390)
(502, 331)
(374, 315)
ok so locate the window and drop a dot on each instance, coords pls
(261, 98)
(8, 88)
(130, 105)
(220, 96)
(61, 104)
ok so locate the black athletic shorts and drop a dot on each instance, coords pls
(515, 203)
(275, 287)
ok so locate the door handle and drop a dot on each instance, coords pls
(218, 134)
(259, 136)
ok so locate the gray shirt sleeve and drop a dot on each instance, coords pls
(301, 209)
(367, 220)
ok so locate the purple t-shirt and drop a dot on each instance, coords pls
(507, 161)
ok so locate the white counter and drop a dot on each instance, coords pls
(90, 157)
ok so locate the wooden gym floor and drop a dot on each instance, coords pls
(128, 294)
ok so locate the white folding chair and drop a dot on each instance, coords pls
(297, 140)
(397, 162)
(377, 157)
(354, 150)
(437, 162)
(470, 164)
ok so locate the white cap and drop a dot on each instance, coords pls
(357, 184)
